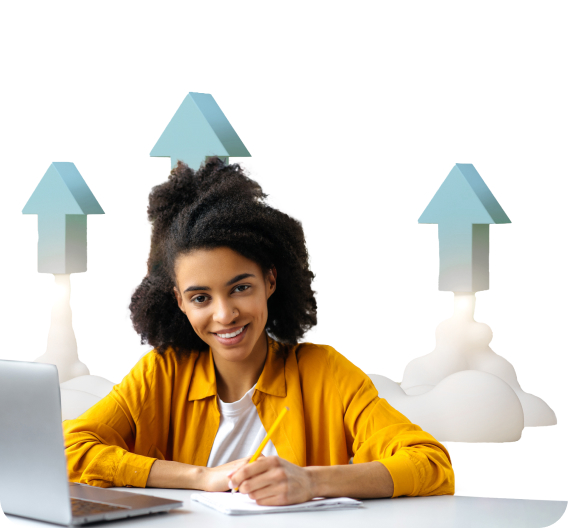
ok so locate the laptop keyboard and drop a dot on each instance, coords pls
(81, 507)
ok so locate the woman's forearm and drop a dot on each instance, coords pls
(367, 480)
(169, 474)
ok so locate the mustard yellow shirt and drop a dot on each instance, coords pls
(167, 409)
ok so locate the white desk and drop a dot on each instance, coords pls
(435, 512)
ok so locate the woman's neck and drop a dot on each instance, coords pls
(235, 378)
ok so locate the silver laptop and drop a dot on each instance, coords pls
(33, 468)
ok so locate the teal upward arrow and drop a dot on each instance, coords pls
(62, 200)
(463, 208)
(198, 130)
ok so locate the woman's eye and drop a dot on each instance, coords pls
(242, 287)
(199, 299)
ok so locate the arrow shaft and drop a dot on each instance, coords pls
(464, 257)
(62, 243)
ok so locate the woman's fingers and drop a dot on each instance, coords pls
(273, 494)
(259, 474)
(274, 481)
(249, 470)
(271, 477)
(237, 464)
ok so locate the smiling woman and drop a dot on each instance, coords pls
(228, 311)
(226, 300)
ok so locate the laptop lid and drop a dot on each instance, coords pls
(33, 468)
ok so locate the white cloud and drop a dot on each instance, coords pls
(463, 391)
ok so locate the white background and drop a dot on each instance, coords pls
(354, 114)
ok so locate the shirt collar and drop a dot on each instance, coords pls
(272, 379)
(203, 382)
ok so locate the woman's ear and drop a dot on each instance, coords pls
(179, 299)
(271, 277)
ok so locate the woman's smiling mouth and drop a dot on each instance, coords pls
(231, 336)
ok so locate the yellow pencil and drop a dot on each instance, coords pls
(266, 439)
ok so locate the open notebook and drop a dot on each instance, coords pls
(240, 504)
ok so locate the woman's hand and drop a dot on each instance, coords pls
(216, 479)
(273, 481)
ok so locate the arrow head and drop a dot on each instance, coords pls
(62, 190)
(465, 198)
(198, 130)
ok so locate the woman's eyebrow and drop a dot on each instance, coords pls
(232, 281)
(196, 288)
(239, 277)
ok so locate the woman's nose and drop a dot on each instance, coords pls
(225, 312)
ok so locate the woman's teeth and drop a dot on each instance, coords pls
(227, 336)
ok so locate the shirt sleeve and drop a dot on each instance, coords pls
(416, 461)
(99, 443)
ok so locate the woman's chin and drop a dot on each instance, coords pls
(237, 355)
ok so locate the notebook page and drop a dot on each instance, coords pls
(240, 504)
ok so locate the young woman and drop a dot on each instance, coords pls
(226, 299)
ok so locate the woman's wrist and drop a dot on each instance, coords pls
(211, 479)
(325, 481)
(169, 474)
(365, 481)
(317, 477)
(197, 477)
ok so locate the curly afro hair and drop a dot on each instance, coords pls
(219, 206)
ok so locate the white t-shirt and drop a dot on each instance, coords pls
(240, 432)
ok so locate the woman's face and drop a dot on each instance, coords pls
(224, 296)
